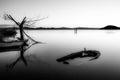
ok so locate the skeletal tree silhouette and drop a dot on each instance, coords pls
(24, 22)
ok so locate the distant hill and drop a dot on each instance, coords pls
(110, 27)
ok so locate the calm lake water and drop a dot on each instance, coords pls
(41, 58)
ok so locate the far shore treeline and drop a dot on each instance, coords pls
(112, 27)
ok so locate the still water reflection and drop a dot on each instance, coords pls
(41, 58)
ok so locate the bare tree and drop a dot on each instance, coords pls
(20, 24)
(24, 22)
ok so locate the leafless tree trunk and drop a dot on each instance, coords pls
(20, 25)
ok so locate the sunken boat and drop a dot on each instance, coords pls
(93, 54)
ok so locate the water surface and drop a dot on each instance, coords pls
(41, 58)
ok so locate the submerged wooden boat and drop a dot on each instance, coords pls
(93, 54)
(12, 46)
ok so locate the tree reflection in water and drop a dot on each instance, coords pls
(21, 57)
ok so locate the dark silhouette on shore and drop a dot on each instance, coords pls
(7, 33)
(93, 54)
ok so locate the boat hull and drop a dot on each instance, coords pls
(12, 46)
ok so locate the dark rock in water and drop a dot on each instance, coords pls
(110, 27)
(93, 54)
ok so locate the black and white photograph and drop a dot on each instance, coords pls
(60, 39)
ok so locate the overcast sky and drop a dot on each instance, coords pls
(68, 13)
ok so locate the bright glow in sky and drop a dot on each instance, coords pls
(65, 13)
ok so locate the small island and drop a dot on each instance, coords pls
(110, 27)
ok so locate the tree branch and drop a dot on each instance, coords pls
(11, 18)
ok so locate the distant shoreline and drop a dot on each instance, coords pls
(109, 27)
(63, 29)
